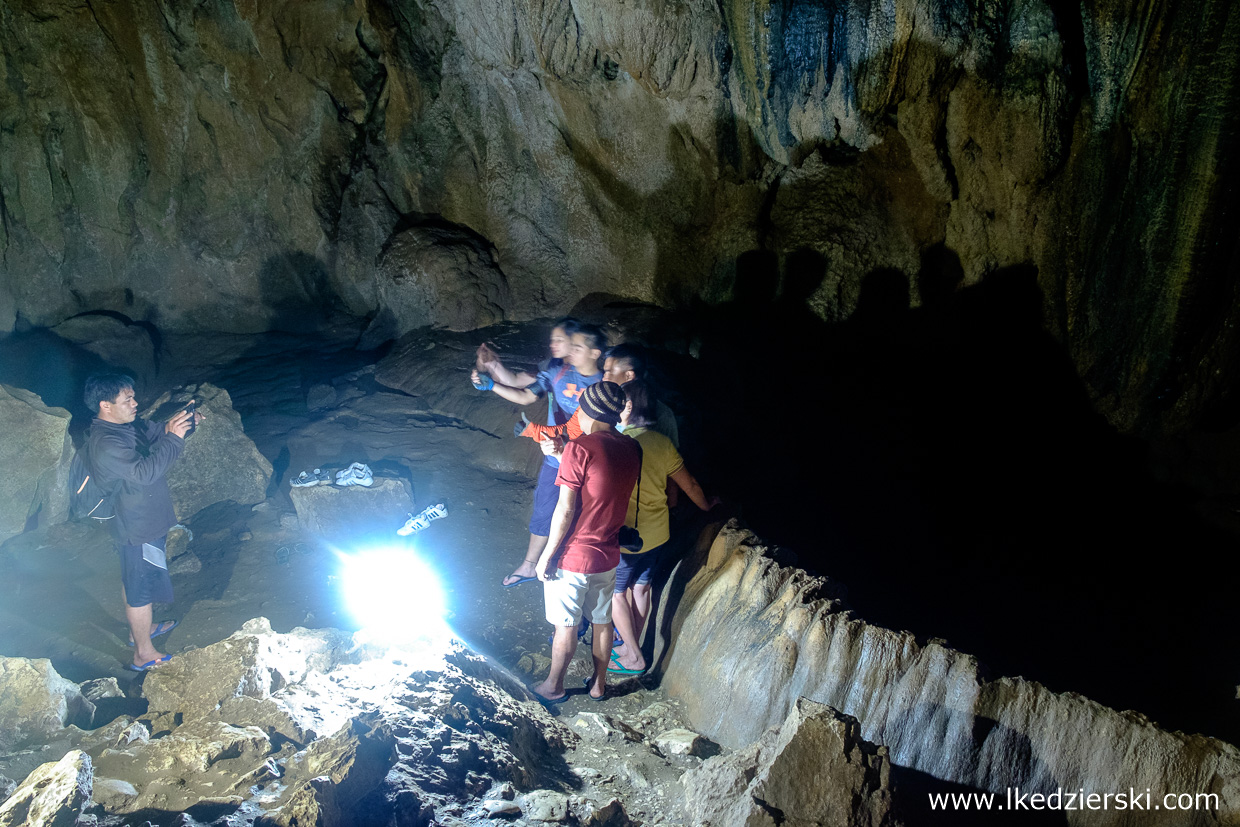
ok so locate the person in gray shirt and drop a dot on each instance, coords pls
(130, 457)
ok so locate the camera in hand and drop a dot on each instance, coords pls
(190, 409)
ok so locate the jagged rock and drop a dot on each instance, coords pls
(7, 786)
(814, 769)
(54, 795)
(594, 726)
(545, 805)
(436, 276)
(254, 662)
(681, 742)
(185, 564)
(125, 347)
(609, 814)
(337, 512)
(36, 702)
(929, 704)
(34, 453)
(219, 462)
(101, 688)
(195, 763)
(113, 794)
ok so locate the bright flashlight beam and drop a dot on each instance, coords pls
(393, 595)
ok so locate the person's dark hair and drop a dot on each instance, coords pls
(104, 387)
(633, 354)
(595, 337)
(568, 324)
(644, 412)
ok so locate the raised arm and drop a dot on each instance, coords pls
(488, 360)
(520, 396)
(690, 486)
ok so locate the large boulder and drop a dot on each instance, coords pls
(255, 662)
(54, 795)
(338, 512)
(436, 276)
(122, 344)
(813, 769)
(36, 702)
(34, 454)
(219, 462)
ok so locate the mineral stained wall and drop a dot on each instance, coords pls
(243, 166)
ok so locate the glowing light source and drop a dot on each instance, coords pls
(393, 595)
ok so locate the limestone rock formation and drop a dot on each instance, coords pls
(54, 795)
(34, 452)
(813, 769)
(219, 462)
(752, 637)
(36, 702)
(433, 276)
(259, 167)
(337, 513)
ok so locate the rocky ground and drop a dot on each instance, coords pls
(322, 406)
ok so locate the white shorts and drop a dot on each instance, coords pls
(571, 593)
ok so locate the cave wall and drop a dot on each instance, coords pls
(242, 166)
(750, 636)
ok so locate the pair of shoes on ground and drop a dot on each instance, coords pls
(356, 474)
(308, 478)
(416, 523)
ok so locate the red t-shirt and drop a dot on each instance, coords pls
(602, 468)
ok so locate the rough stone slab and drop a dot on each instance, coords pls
(51, 796)
(545, 805)
(36, 702)
(35, 442)
(348, 513)
(680, 742)
(125, 347)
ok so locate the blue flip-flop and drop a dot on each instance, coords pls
(620, 670)
(550, 703)
(587, 682)
(517, 582)
(149, 664)
(163, 628)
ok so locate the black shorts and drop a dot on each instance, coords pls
(637, 569)
(145, 583)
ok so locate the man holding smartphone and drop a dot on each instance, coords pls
(131, 457)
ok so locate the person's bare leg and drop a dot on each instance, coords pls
(601, 654)
(563, 645)
(139, 620)
(641, 608)
(629, 655)
(538, 542)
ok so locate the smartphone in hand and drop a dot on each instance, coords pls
(193, 423)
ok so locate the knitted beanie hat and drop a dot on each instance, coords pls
(604, 402)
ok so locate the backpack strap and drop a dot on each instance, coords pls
(552, 402)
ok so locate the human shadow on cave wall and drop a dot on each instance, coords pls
(946, 464)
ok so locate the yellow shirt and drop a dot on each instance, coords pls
(660, 460)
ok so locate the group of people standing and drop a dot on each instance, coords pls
(610, 460)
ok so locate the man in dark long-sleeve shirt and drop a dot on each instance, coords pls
(131, 457)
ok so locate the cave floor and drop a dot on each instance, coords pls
(61, 600)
